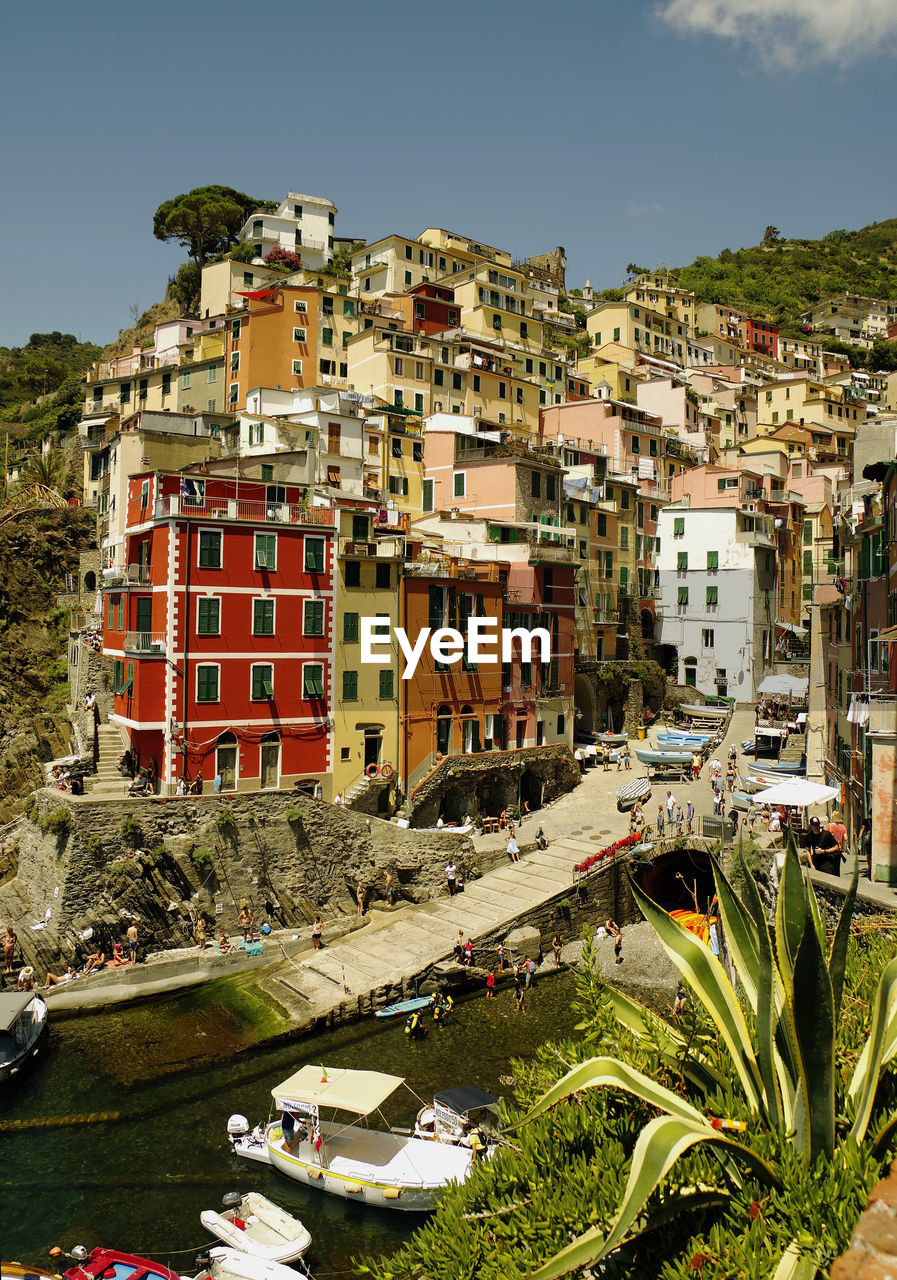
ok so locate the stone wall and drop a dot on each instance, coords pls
(492, 780)
(289, 856)
(25, 746)
(873, 1246)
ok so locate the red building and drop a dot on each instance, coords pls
(761, 336)
(220, 631)
(433, 308)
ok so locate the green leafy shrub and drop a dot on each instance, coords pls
(29, 806)
(293, 814)
(57, 822)
(131, 831)
(158, 853)
(200, 856)
(226, 820)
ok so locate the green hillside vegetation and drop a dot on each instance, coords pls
(781, 278)
(42, 366)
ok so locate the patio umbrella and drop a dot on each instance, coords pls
(796, 793)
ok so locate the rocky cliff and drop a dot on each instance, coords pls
(74, 864)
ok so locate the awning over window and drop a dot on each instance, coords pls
(800, 632)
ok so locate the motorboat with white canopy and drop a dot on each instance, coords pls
(343, 1156)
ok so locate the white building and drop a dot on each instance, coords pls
(303, 224)
(717, 570)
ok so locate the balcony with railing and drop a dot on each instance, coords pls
(122, 576)
(252, 512)
(382, 549)
(146, 643)
(359, 268)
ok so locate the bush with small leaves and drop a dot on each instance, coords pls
(131, 831)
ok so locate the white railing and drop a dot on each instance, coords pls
(241, 509)
(145, 642)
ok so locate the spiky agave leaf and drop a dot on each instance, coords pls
(599, 1073)
(695, 1066)
(660, 1144)
(882, 1035)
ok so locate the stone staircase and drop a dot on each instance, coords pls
(405, 944)
(110, 745)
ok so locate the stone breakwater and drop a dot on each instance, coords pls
(76, 864)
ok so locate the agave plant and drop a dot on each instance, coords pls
(791, 982)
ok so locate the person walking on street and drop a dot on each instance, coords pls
(660, 822)
(671, 808)
(696, 766)
(689, 816)
(512, 848)
(451, 876)
(605, 757)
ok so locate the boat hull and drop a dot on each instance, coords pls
(668, 758)
(637, 789)
(372, 1181)
(710, 713)
(402, 1007)
(16, 1065)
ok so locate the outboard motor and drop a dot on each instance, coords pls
(237, 1127)
(232, 1199)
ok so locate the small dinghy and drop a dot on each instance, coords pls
(663, 759)
(402, 1008)
(637, 789)
(704, 713)
(254, 1225)
(232, 1264)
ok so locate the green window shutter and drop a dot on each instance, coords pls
(808, 562)
(608, 564)
(121, 613)
(678, 526)
(683, 595)
(206, 684)
(350, 627)
(624, 579)
(313, 621)
(712, 596)
(460, 478)
(117, 668)
(327, 337)
(682, 561)
(128, 686)
(712, 561)
(266, 551)
(349, 308)
(144, 619)
(878, 554)
(209, 549)
(208, 616)
(350, 686)
(808, 531)
(313, 680)
(436, 609)
(428, 495)
(386, 682)
(314, 555)
(263, 617)
(262, 682)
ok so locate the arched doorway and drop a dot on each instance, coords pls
(444, 730)
(691, 672)
(531, 788)
(647, 618)
(269, 762)
(226, 760)
(90, 580)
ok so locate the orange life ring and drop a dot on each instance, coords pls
(371, 771)
(386, 770)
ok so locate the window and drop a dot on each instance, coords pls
(679, 526)
(417, 448)
(682, 562)
(398, 486)
(460, 488)
(314, 555)
(712, 561)
(210, 548)
(550, 488)
(383, 575)
(456, 382)
(353, 573)
(206, 683)
(266, 551)
(536, 484)
(707, 638)
(624, 537)
(312, 680)
(327, 306)
(313, 618)
(233, 393)
(396, 447)
(496, 321)
(185, 381)
(297, 368)
(350, 628)
(300, 308)
(524, 330)
(682, 597)
(386, 683)
(428, 502)
(327, 337)
(350, 686)
(300, 335)
(712, 597)
(408, 277)
(262, 684)
(208, 616)
(502, 391)
(213, 373)
(263, 617)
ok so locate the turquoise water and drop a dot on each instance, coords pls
(139, 1183)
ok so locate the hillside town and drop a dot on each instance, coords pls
(428, 431)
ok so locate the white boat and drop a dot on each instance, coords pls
(255, 1225)
(630, 792)
(703, 712)
(232, 1264)
(343, 1156)
(23, 1025)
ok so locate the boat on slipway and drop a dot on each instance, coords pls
(697, 712)
(661, 759)
(683, 740)
(630, 792)
(342, 1156)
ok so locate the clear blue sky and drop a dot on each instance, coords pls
(647, 130)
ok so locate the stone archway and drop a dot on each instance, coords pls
(647, 620)
(90, 580)
(585, 707)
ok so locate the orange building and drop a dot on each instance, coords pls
(447, 709)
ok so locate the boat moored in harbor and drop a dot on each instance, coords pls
(23, 1026)
(342, 1156)
(255, 1225)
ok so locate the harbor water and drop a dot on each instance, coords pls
(117, 1135)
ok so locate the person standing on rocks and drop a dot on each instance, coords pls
(10, 940)
(317, 933)
(617, 934)
(359, 897)
(132, 942)
(244, 920)
(451, 876)
(557, 946)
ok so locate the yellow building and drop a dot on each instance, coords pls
(224, 283)
(394, 263)
(807, 399)
(639, 328)
(613, 367)
(201, 377)
(659, 291)
(365, 702)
